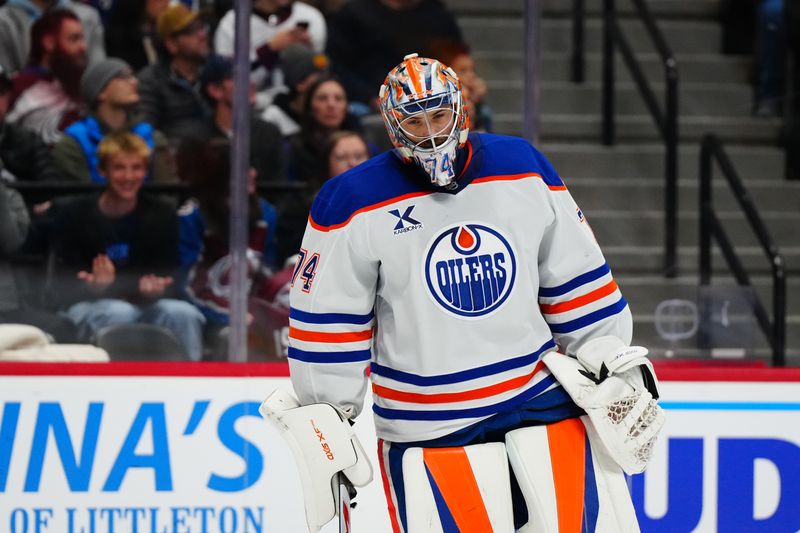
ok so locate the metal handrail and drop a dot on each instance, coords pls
(666, 120)
(578, 62)
(710, 226)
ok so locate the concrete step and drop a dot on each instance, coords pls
(754, 349)
(694, 99)
(641, 128)
(556, 66)
(756, 164)
(619, 228)
(563, 8)
(645, 293)
(632, 258)
(626, 194)
(506, 34)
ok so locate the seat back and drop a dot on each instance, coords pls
(140, 342)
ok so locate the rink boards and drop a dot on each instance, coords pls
(169, 448)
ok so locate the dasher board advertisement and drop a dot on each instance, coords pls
(181, 448)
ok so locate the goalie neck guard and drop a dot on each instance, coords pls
(423, 109)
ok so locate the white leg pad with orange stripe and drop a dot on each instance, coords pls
(569, 482)
(464, 489)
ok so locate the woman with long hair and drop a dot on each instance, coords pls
(324, 113)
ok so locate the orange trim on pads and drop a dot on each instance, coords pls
(387, 489)
(318, 336)
(580, 301)
(453, 475)
(567, 453)
(367, 208)
(446, 397)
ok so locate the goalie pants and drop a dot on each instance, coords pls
(550, 408)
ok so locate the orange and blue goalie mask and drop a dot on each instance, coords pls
(424, 115)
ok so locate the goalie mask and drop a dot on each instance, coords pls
(424, 113)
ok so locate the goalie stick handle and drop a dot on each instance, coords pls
(343, 504)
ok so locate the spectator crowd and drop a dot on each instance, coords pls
(132, 101)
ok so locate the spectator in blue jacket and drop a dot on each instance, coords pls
(110, 90)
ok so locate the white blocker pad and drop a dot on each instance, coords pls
(464, 489)
(323, 443)
(568, 481)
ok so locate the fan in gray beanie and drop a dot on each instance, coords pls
(298, 62)
(98, 74)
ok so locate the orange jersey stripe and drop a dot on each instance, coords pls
(580, 301)
(469, 160)
(390, 201)
(446, 397)
(453, 475)
(566, 440)
(367, 208)
(317, 336)
(512, 177)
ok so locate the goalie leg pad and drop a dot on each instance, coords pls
(569, 484)
(464, 489)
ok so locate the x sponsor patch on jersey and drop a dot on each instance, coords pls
(405, 222)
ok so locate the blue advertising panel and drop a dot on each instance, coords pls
(181, 448)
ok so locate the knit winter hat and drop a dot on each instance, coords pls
(98, 74)
(299, 61)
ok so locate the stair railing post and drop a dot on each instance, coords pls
(778, 312)
(578, 57)
(705, 210)
(706, 146)
(609, 28)
(671, 170)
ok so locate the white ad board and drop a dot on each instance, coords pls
(181, 454)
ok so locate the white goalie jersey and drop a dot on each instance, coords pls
(445, 300)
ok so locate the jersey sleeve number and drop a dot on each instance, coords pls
(306, 269)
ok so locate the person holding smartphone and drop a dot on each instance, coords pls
(274, 26)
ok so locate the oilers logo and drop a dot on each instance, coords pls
(470, 269)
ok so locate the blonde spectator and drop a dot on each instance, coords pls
(117, 252)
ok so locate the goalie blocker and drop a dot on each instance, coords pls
(326, 451)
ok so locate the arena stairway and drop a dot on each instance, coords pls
(620, 188)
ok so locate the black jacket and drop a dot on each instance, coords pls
(144, 242)
(24, 155)
(170, 103)
(266, 147)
